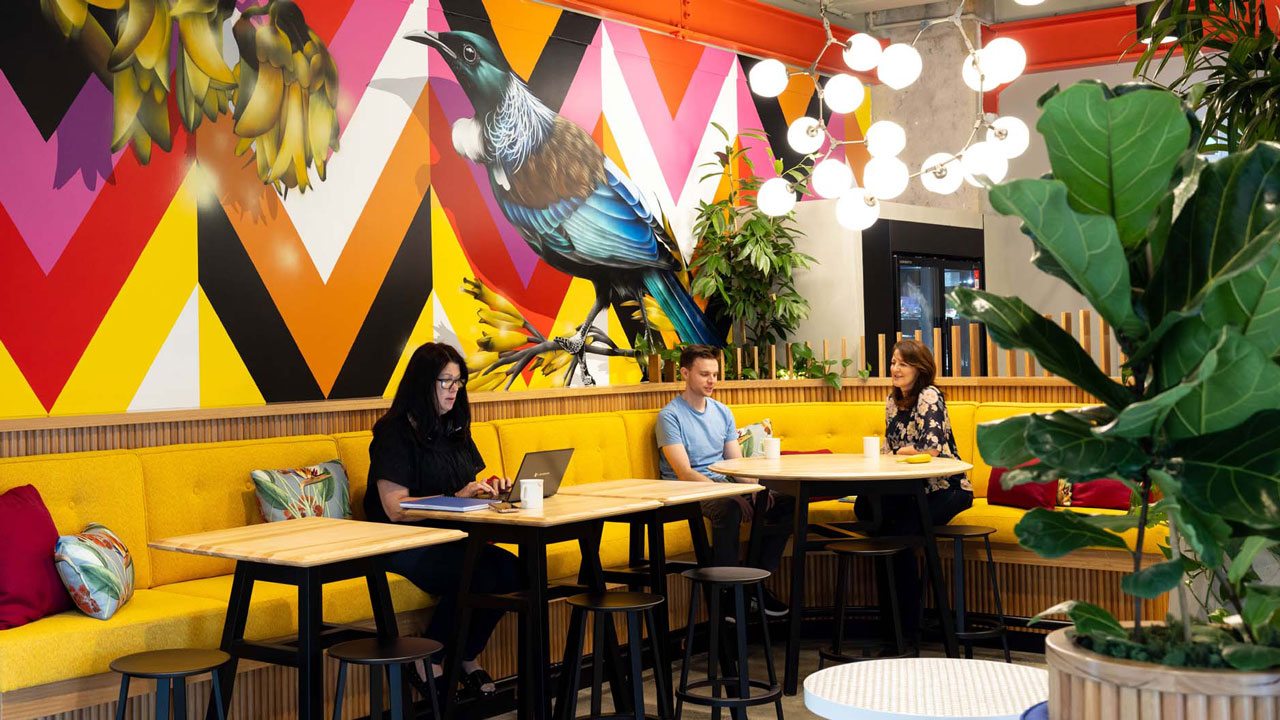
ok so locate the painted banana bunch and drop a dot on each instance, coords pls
(72, 16)
(203, 82)
(285, 97)
(504, 333)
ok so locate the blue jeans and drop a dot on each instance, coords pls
(899, 516)
(437, 570)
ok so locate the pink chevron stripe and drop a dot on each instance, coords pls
(358, 46)
(749, 119)
(674, 140)
(50, 185)
(583, 103)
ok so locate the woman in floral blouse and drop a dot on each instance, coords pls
(916, 421)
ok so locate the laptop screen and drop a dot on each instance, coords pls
(548, 465)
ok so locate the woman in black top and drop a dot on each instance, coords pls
(916, 421)
(422, 446)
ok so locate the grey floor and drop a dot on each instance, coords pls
(792, 707)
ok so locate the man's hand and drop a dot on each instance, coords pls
(746, 505)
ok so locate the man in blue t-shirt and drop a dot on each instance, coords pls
(694, 432)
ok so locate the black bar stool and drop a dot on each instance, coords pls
(170, 669)
(969, 629)
(605, 605)
(714, 581)
(391, 653)
(881, 550)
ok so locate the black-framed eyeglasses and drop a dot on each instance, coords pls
(448, 383)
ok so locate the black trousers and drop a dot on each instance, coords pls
(437, 570)
(901, 517)
(725, 515)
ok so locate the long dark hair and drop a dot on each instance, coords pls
(416, 396)
(917, 355)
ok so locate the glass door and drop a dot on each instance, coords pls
(923, 284)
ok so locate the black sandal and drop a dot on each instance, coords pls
(474, 681)
(419, 683)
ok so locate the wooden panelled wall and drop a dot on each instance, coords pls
(38, 436)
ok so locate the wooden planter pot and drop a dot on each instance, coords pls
(1084, 685)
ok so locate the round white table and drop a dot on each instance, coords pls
(925, 688)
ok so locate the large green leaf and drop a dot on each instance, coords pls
(1183, 350)
(271, 494)
(1206, 534)
(1038, 473)
(1227, 228)
(1089, 619)
(1069, 444)
(1153, 581)
(1243, 561)
(1235, 381)
(1014, 325)
(1244, 656)
(1251, 302)
(1053, 534)
(1142, 419)
(1003, 442)
(1083, 246)
(1116, 155)
(1235, 474)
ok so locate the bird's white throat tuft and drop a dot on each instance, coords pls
(468, 139)
(518, 127)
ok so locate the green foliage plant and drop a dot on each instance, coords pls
(1230, 61)
(745, 258)
(1182, 257)
(805, 365)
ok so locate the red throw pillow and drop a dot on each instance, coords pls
(1105, 493)
(1026, 495)
(29, 584)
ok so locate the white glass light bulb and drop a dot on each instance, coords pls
(843, 93)
(984, 82)
(1028, 2)
(768, 78)
(1005, 59)
(831, 177)
(941, 173)
(885, 138)
(863, 52)
(885, 177)
(857, 209)
(900, 65)
(805, 135)
(981, 158)
(1016, 136)
(775, 197)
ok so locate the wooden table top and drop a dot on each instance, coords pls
(667, 492)
(837, 468)
(559, 509)
(307, 542)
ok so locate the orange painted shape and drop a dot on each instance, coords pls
(325, 318)
(522, 29)
(674, 62)
(794, 101)
(604, 138)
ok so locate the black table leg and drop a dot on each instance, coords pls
(698, 533)
(791, 679)
(232, 632)
(536, 638)
(662, 618)
(384, 615)
(755, 540)
(591, 571)
(635, 545)
(453, 652)
(310, 650)
(934, 566)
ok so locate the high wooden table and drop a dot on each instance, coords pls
(562, 518)
(806, 476)
(308, 553)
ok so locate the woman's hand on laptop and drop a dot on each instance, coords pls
(499, 484)
(477, 488)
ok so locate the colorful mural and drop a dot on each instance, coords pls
(188, 283)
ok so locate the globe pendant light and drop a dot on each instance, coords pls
(768, 78)
(862, 53)
(981, 158)
(1009, 136)
(900, 65)
(857, 209)
(941, 173)
(1005, 59)
(805, 135)
(885, 139)
(775, 197)
(886, 177)
(978, 72)
(831, 178)
(843, 93)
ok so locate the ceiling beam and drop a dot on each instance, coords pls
(1097, 37)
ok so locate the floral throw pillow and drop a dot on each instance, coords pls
(751, 438)
(315, 491)
(97, 569)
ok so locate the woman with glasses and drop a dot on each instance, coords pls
(421, 447)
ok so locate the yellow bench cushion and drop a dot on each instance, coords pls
(599, 441)
(273, 609)
(197, 488)
(642, 442)
(72, 644)
(990, 412)
(81, 488)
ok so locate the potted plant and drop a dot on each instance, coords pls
(1182, 257)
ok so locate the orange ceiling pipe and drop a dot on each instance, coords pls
(745, 26)
(1098, 37)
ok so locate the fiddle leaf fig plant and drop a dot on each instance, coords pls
(1181, 256)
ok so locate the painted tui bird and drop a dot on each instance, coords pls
(575, 207)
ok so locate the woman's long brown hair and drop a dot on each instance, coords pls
(917, 355)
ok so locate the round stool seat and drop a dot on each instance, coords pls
(963, 531)
(727, 575)
(868, 547)
(378, 651)
(619, 601)
(179, 662)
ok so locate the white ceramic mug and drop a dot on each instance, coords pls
(871, 445)
(531, 493)
(772, 448)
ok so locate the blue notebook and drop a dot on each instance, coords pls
(446, 503)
